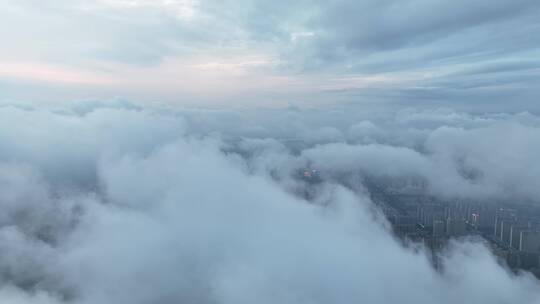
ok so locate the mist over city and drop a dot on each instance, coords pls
(187, 151)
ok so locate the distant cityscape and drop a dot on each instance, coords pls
(510, 230)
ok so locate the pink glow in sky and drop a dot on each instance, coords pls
(216, 52)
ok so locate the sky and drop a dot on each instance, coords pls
(482, 54)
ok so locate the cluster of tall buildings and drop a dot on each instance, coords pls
(419, 216)
(513, 233)
(510, 230)
(517, 232)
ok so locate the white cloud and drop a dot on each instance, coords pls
(169, 205)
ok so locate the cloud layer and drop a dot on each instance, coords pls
(118, 203)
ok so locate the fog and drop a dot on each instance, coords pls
(111, 202)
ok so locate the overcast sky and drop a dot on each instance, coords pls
(205, 52)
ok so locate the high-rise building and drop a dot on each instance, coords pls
(503, 215)
(504, 236)
(486, 218)
(439, 228)
(515, 234)
(455, 227)
(530, 241)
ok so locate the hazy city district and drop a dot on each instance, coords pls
(510, 229)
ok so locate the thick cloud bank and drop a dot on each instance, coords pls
(120, 204)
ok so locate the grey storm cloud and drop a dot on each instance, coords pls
(108, 202)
